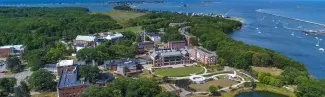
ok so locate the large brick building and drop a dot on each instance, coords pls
(163, 57)
(145, 46)
(82, 41)
(203, 55)
(176, 44)
(122, 66)
(64, 65)
(69, 84)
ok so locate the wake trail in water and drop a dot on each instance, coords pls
(306, 21)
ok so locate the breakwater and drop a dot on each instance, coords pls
(310, 22)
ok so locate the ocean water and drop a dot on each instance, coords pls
(276, 33)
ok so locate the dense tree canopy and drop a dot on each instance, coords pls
(123, 87)
(14, 64)
(42, 80)
(90, 73)
(22, 90)
(7, 86)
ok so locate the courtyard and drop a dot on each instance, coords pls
(178, 72)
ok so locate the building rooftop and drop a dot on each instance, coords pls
(179, 41)
(112, 36)
(85, 38)
(122, 62)
(65, 63)
(68, 78)
(16, 47)
(145, 42)
(168, 53)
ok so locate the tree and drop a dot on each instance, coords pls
(56, 53)
(311, 88)
(97, 91)
(22, 90)
(14, 64)
(126, 87)
(87, 54)
(166, 94)
(90, 73)
(34, 59)
(42, 80)
(213, 89)
(194, 41)
(289, 74)
(7, 86)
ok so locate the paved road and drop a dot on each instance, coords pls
(19, 76)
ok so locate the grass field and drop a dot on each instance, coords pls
(135, 29)
(123, 16)
(177, 72)
(272, 70)
(204, 87)
(46, 94)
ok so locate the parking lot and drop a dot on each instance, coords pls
(19, 76)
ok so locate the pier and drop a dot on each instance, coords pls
(292, 18)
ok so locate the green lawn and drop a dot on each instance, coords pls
(176, 72)
(123, 16)
(136, 29)
(46, 94)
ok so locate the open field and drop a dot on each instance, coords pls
(272, 70)
(136, 29)
(123, 16)
(46, 94)
(177, 72)
(204, 87)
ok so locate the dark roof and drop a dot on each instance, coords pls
(129, 63)
(68, 78)
(146, 42)
(179, 41)
(105, 77)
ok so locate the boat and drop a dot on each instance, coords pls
(317, 44)
(292, 34)
(321, 49)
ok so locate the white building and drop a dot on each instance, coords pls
(113, 36)
(65, 63)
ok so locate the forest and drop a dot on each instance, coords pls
(41, 27)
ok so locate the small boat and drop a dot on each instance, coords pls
(259, 32)
(257, 28)
(292, 34)
(275, 27)
(321, 49)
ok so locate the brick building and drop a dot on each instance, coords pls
(122, 66)
(13, 50)
(64, 65)
(176, 44)
(145, 46)
(69, 85)
(203, 55)
(82, 41)
(163, 57)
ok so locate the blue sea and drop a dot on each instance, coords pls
(276, 33)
